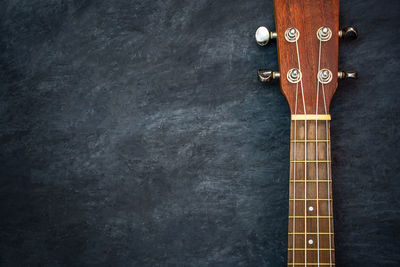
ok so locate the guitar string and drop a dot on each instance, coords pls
(294, 185)
(329, 178)
(316, 148)
(305, 158)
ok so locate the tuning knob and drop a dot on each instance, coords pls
(348, 33)
(268, 75)
(347, 75)
(263, 35)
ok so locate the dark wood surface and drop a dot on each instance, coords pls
(307, 16)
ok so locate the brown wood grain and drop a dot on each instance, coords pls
(310, 167)
(307, 16)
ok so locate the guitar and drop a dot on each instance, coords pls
(307, 34)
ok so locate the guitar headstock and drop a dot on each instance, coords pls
(307, 33)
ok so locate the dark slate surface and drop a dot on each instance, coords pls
(134, 133)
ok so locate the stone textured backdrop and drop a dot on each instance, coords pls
(135, 133)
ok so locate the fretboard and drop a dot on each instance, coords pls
(311, 238)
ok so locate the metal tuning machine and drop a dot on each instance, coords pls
(268, 75)
(263, 35)
(347, 75)
(348, 33)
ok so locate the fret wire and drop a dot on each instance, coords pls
(313, 181)
(311, 161)
(312, 264)
(313, 249)
(312, 217)
(310, 233)
(311, 199)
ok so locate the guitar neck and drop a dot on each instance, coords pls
(311, 238)
(307, 35)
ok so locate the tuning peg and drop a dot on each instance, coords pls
(347, 75)
(263, 35)
(268, 75)
(348, 33)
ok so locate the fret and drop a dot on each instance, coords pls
(299, 225)
(310, 161)
(312, 149)
(310, 233)
(312, 249)
(310, 199)
(299, 252)
(312, 217)
(310, 181)
(324, 241)
(312, 264)
(301, 132)
(297, 191)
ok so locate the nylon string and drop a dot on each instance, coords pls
(305, 161)
(329, 178)
(294, 184)
(316, 149)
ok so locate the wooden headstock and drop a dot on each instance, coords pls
(307, 33)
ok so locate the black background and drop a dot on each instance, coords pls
(135, 133)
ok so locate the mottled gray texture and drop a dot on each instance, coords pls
(134, 133)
